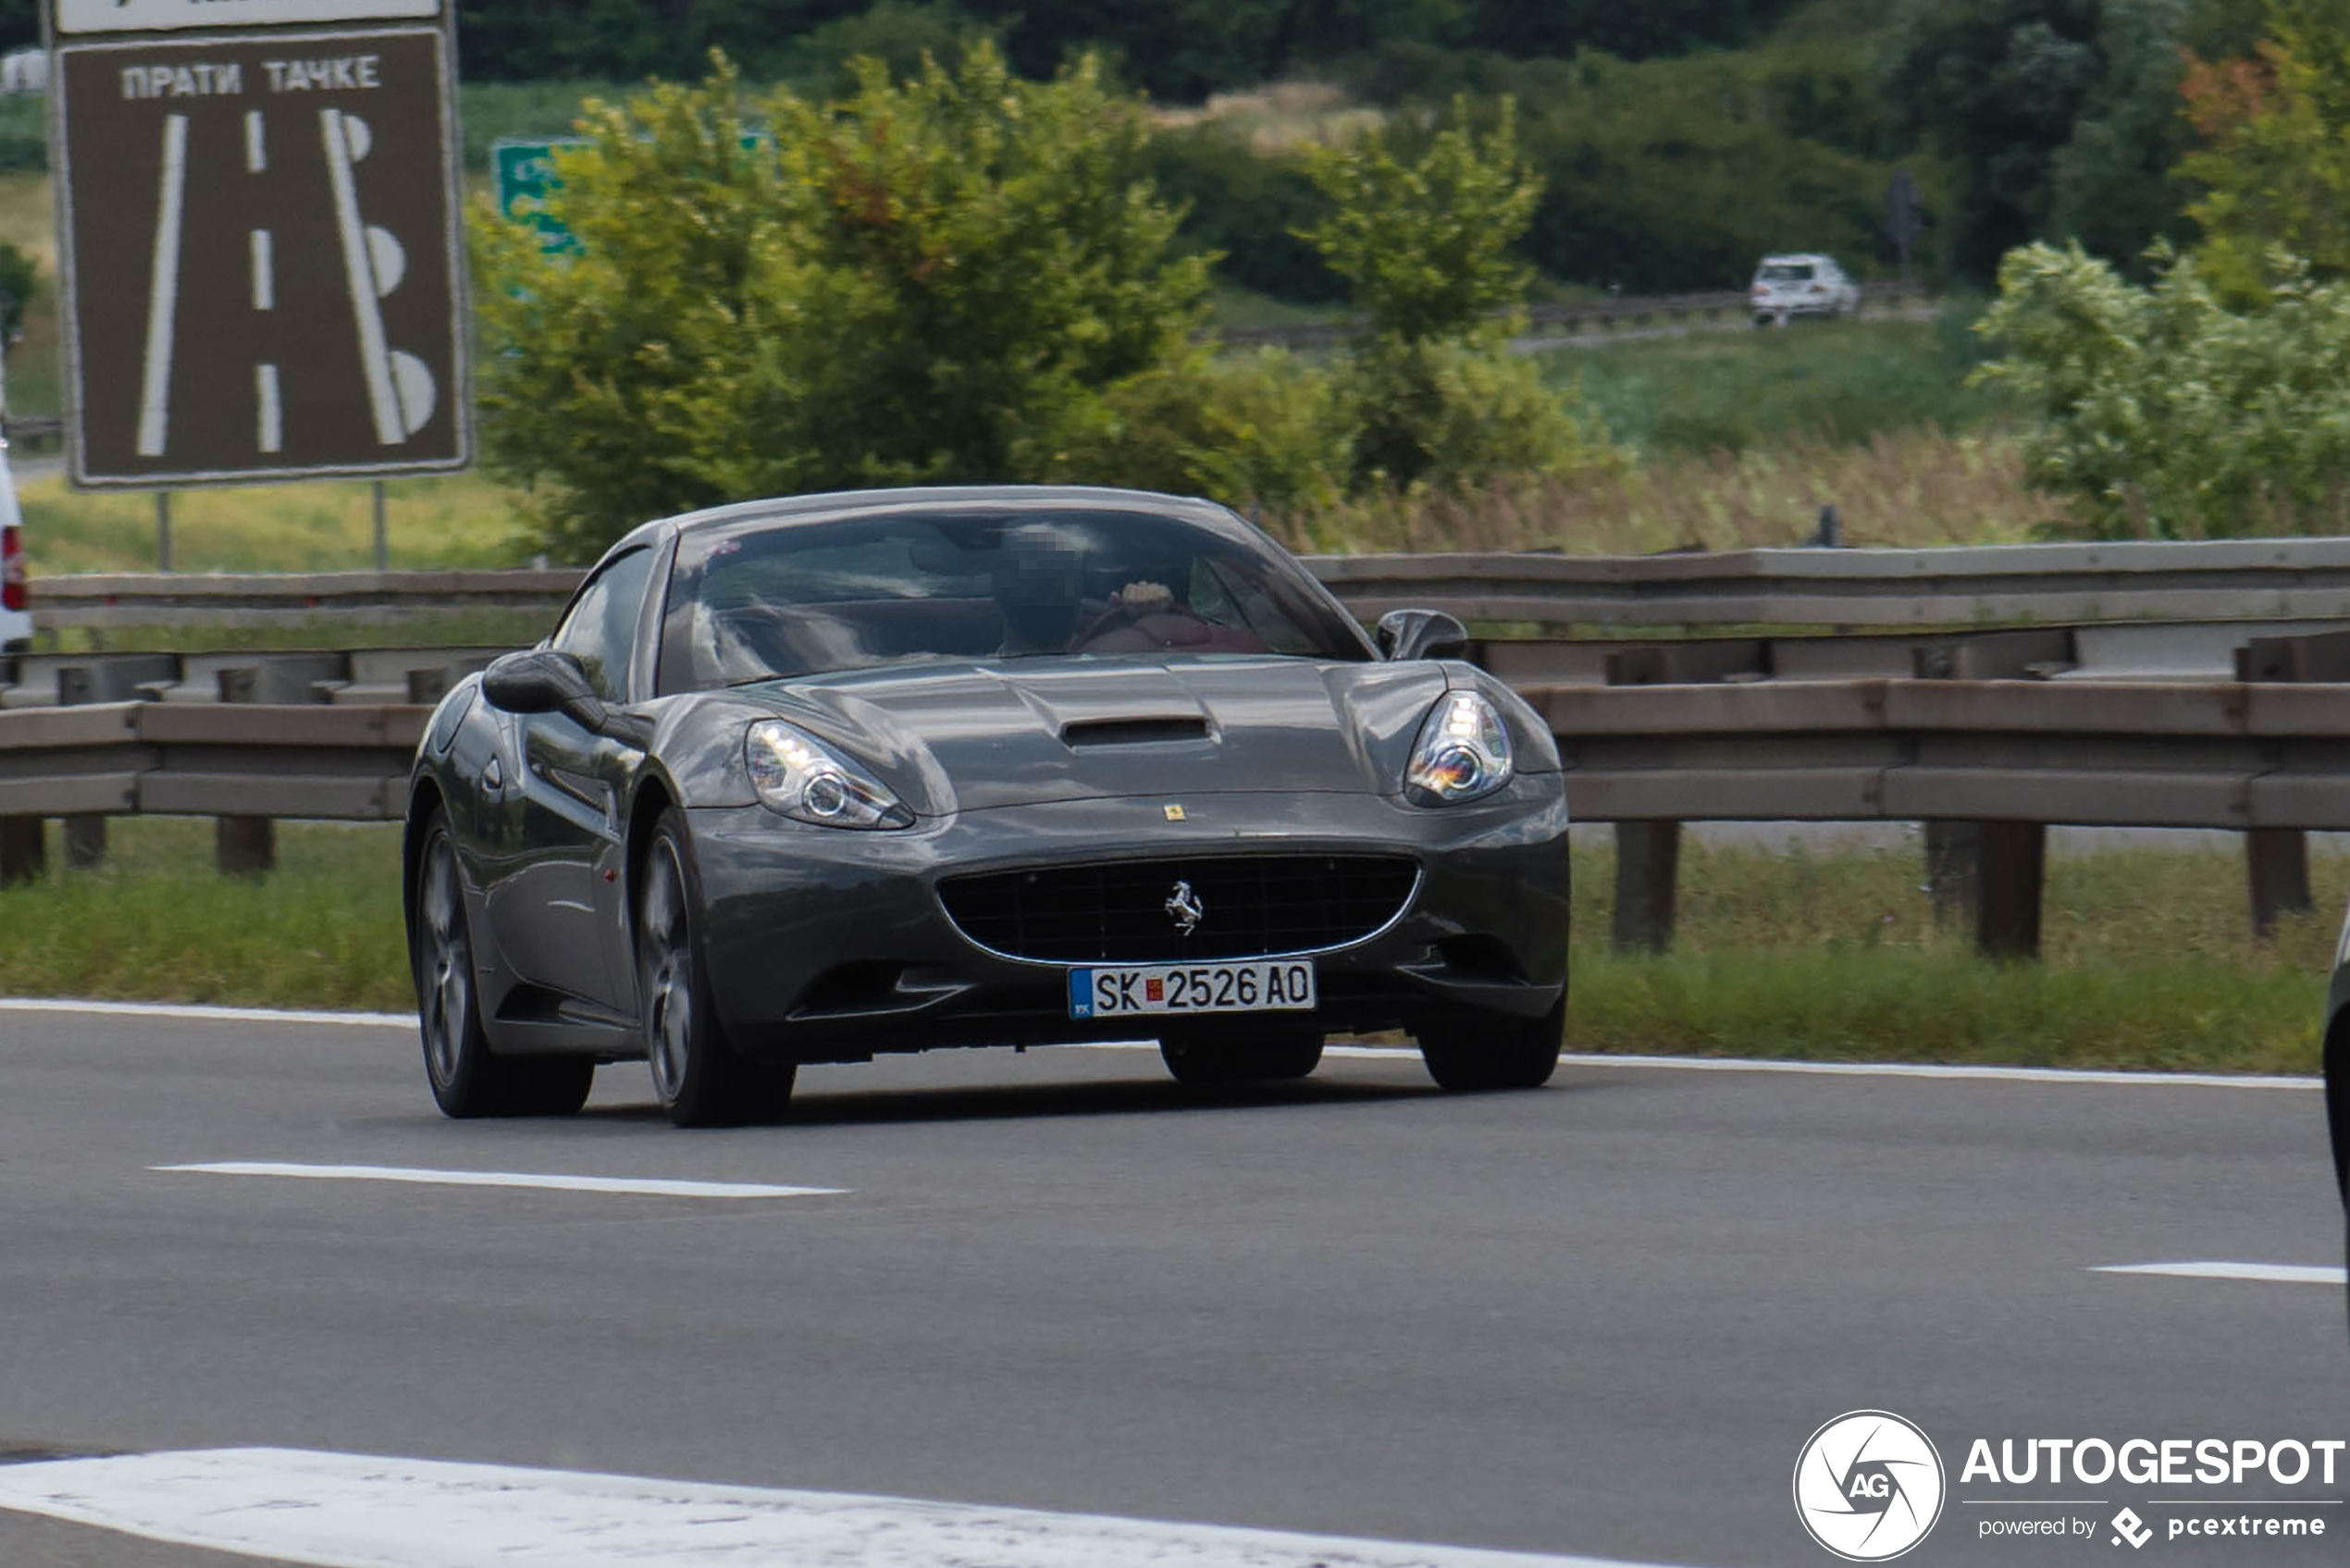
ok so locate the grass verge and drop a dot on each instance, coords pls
(1843, 381)
(158, 923)
(1822, 955)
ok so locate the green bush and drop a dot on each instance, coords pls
(1451, 414)
(928, 281)
(2163, 413)
(1256, 431)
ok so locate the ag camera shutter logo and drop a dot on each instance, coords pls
(1869, 1486)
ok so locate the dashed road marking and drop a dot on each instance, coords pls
(653, 1187)
(2274, 1273)
(354, 1511)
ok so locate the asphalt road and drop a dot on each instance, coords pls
(1598, 1319)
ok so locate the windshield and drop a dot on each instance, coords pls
(769, 600)
(1785, 272)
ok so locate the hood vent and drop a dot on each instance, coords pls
(1132, 732)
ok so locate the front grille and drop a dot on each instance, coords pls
(1116, 911)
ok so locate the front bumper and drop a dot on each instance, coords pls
(826, 945)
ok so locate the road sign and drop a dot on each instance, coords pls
(258, 233)
(521, 174)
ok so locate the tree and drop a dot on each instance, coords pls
(926, 282)
(2275, 169)
(1425, 244)
(1995, 87)
(2161, 413)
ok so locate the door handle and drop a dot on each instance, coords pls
(493, 777)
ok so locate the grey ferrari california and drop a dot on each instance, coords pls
(805, 780)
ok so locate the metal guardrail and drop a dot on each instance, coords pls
(2215, 650)
(2220, 755)
(245, 760)
(2003, 758)
(1566, 319)
(1974, 585)
(358, 676)
(111, 601)
(2263, 580)
(2144, 754)
(36, 430)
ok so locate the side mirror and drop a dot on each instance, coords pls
(1422, 633)
(541, 680)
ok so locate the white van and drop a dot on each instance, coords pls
(1802, 284)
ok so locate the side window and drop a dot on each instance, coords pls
(601, 631)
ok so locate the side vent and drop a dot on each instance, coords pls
(1131, 731)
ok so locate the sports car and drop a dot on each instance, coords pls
(807, 780)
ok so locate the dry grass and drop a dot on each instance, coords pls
(459, 521)
(1278, 118)
(1909, 487)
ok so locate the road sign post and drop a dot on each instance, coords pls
(258, 232)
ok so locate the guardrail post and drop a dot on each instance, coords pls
(77, 683)
(243, 847)
(1648, 868)
(24, 853)
(2276, 862)
(2009, 884)
(1991, 874)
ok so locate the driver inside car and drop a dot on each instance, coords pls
(1146, 617)
(1039, 586)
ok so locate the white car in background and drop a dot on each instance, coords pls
(1802, 284)
(16, 608)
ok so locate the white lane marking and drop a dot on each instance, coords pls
(265, 271)
(269, 423)
(2274, 1273)
(1841, 1069)
(654, 1187)
(1955, 1070)
(200, 1012)
(163, 289)
(353, 1511)
(197, 1011)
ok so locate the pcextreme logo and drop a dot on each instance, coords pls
(1868, 1485)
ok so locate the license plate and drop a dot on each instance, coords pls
(1262, 986)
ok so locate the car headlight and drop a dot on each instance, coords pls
(799, 776)
(1463, 752)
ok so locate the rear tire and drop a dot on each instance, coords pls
(467, 1080)
(699, 1076)
(1242, 1056)
(1488, 1053)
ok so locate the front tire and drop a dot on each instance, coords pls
(1492, 1053)
(699, 1076)
(467, 1080)
(1242, 1056)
